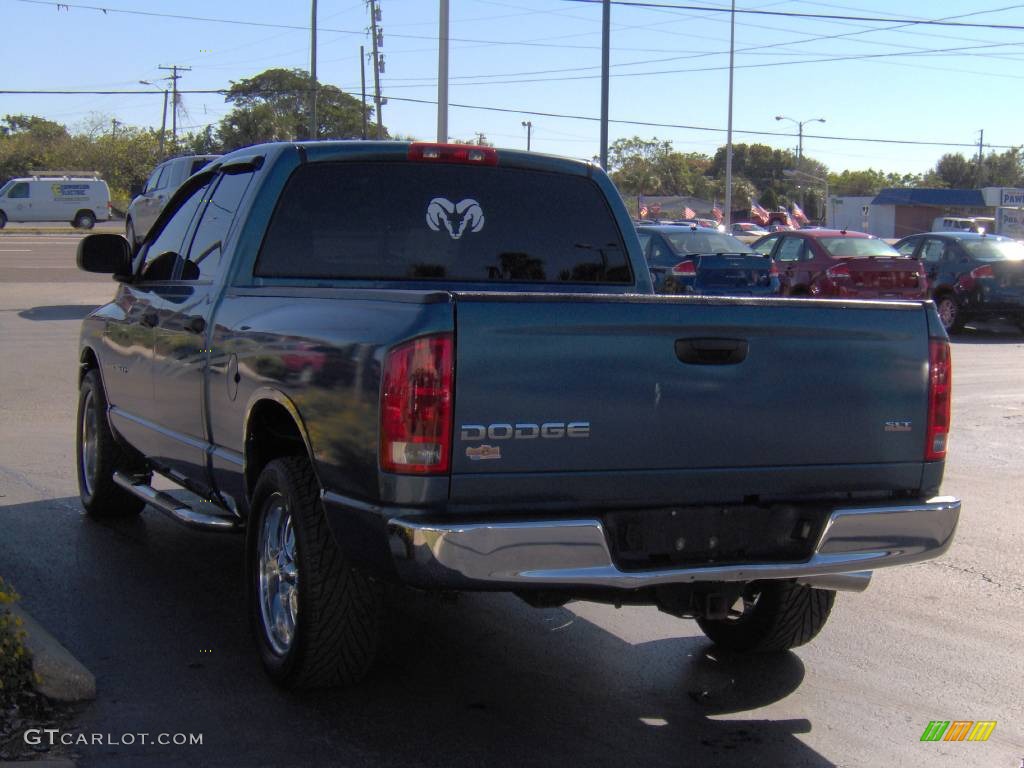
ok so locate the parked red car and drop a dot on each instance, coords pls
(830, 263)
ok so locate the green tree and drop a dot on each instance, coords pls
(1003, 169)
(651, 166)
(769, 199)
(275, 106)
(955, 170)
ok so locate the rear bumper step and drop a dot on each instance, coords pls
(575, 553)
(177, 510)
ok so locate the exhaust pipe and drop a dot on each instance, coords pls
(841, 582)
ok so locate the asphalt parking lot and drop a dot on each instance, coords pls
(155, 611)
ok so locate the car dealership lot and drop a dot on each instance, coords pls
(155, 611)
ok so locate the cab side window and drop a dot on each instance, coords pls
(19, 190)
(208, 244)
(764, 247)
(792, 249)
(908, 248)
(161, 255)
(932, 250)
(659, 251)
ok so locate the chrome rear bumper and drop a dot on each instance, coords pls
(575, 553)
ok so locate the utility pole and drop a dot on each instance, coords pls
(173, 77)
(981, 144)
(442, 74)
(362, 78)
(728, 138)
(377, 41)
(163, 120)
(113, 127)
(606, 26)
(528, 125)
(314, 126)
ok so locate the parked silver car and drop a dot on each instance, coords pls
(166, 178)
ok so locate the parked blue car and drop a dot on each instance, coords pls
(971, 274)
(701, 260)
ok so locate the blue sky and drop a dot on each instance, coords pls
(669, 66)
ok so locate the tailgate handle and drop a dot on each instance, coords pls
(711, 351)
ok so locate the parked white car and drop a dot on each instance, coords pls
(162, 183)
(68, 196)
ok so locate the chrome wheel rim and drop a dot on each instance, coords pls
(87, 445)
(278, 575)
(947, 313)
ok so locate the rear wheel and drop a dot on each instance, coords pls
(316, 619)
(772, 616)
(99, 456)
(950, 314)
(84, 220)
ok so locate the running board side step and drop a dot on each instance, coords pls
(175, 509)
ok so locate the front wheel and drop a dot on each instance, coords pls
(316, 618)
(772, 616)
(99, 456)
(950, 314)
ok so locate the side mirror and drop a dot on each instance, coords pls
(107, 254)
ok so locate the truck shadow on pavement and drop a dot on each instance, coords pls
(58, 312)
(156, 611)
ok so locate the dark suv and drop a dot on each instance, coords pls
(971, 274)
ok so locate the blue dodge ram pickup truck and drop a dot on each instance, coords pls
(445, 366)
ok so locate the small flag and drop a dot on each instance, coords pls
(716, 213)
(643, 212)
(688, 213)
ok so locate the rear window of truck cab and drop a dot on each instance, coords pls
(412, 221)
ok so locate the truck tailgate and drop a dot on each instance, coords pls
(608, 399)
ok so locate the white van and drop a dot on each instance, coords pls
(72, 196)
(963, 224)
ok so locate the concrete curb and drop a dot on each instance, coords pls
(61, 676)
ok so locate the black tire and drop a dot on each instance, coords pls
(335, 617)
(777, 616)
(84, 220)
(950, 313)
(100, 496)
(129, 232)
(3, 219)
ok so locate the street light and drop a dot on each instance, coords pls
(528, 125)
(163, 122)
(800, 132)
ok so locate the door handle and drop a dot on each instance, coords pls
(150, 319)
(195, 324)
(711, 351)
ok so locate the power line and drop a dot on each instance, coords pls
(819, 16)
(536, 113)
(705, 128)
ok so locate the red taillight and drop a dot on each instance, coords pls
(416, 406)
(838, 272)
(453, 153)
(940, 391)
(685, 269)
(985, 271)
